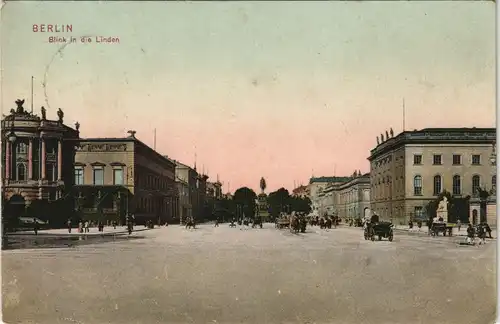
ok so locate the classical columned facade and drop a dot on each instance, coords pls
(38, 155)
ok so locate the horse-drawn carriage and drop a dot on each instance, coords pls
(437, 228)
(257, 222)
(380, 229)
(282, 223)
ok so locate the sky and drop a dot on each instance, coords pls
(280, 90)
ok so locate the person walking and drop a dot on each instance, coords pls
(470, 234)
(80, 227)
(87, 227)
(69, 225)
(459, 224)
(35, 226)
(481, 234)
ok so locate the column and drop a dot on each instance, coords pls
(59, 159)
(43, 158)
(30, 159)
(7, 159)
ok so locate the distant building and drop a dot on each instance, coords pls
(316, 187)
(37, 156)
(214, 190)
(115, 177)
(413, 168)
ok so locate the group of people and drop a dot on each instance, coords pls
(479, 231)
(84, 226)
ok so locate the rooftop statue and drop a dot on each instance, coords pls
(44, 113)
(392, 132)
(60, 114)
(378, 141)
(20, 109)
(382, 137)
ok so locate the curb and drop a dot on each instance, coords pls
(77, 234)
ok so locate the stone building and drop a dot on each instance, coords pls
(413, 168)
(115, 177)
(187, 179)
(349, 199)
(315, 191)
(37, 156)
(300, 191)
(214, 189)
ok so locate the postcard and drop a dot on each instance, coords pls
(248, 162)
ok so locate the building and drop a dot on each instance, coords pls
(115, 177)
(187, 179)
(316, 194)
(37, 157)
(413, 168)
(214, 189)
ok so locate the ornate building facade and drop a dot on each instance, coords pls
(37, 156)
(414, 167)
(349, 199)
(115, 177)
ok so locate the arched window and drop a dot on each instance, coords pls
(494, 182)
(417, 185)
(437, 185)
(21, 171)
(457, 185)
(476, 184)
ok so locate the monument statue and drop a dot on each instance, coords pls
(442, 210)
(382, 137)
(44, 113)
(392, 132)
(263, 184)
(60, 114)
(19, 104)
(77, 126)
(378, 141)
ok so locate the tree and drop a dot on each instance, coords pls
(278, 201)
(301, 204)
(245, 198)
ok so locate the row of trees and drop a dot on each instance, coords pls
(244, 203)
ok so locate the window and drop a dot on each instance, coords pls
(436, 160)
(418, 212)
(98, 176)
(457, 185)
(118, 176)
(417, 185)
(476, 159)
(50, 172)
(22, 148)
(476, 184)
(417, 159)
(21, 172)
(78, 175)
(437, 185)
(457, 159)
(494, 182)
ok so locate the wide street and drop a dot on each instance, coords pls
(228, 275)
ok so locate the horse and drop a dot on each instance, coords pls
(294, 224)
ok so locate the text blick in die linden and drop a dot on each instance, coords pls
(49, 28)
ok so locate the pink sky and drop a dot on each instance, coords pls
(258, 89)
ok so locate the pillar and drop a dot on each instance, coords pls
(59, 159)
(44, 157)
(30, 159)
(8, 163)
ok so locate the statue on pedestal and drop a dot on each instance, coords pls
(391, 132)
(386, 135)
(442, 210)
(263, 184)
(44, 113)
(378, 141)
(60, 114)
(382, 137)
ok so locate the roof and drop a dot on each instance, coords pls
(440, 136)
(329, 179)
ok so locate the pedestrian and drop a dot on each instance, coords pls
(481, 234)
(80, 227)
(459, 224)
(69, 225)
(470, 234)
(87, 227)
(35, 226)
(488, 229)
(419, 225)
(114, 224)
(410, 225)
(216, 222)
